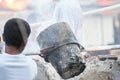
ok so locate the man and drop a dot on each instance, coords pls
(70, 11)
(13, 64)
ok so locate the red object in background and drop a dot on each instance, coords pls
(106, 2)
(15, 4)
(109, 13)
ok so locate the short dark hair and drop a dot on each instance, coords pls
(16, 31)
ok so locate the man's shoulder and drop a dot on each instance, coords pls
(30, 59)
(2, 59)
(1, 56)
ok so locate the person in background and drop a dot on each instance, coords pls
(70, 11)
(13, 64)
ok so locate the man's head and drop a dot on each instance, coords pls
(16, 32)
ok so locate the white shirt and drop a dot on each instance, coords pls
(17, 67)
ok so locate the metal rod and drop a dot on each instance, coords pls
(101, 9)
(99, 48)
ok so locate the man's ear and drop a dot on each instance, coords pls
(22, 47)
(25, 41)
(24, 44)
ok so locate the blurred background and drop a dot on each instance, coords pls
(101, 24)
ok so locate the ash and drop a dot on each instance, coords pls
(95, 70)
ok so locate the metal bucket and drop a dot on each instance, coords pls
(60, 47)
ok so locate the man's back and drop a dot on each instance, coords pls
(17, 67)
